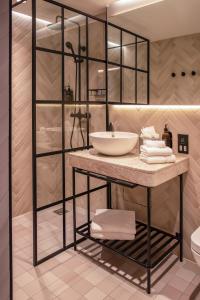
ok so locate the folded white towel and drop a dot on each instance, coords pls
(158, 159)
(154, 151)
(154, 143)
(149, 132)
(113, 221)
(113, 236)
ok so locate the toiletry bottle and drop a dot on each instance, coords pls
(69, 95)
(167, 137)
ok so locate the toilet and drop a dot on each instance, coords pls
(195, 245)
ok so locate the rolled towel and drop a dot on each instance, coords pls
(154, 151)
(158, 159)
(154, 143)
(113, 221)
(113, 236)
(149, 132)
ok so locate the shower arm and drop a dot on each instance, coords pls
(79, 50)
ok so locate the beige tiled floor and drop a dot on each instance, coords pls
(92, 273)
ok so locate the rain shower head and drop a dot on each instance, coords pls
(57, 26)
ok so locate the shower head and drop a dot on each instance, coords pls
(55, 26)
(69, 46)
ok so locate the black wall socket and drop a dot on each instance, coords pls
(183, 143)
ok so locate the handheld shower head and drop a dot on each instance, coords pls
(70, 47)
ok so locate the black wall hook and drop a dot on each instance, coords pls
(173, 74)
(183, 74)
(193, 73)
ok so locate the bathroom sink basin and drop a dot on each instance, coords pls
(114, 143)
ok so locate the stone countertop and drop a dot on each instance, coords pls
(128, 167)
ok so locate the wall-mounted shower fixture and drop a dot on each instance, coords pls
(80, 115)
(71, 48)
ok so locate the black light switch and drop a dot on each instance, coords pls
(183, 143)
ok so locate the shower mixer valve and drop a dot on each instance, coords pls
(80, 115)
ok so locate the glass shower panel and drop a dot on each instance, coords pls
(48, 127)
(113, 44)
(48, 26)
(96, 37)
(141, 88)
(128, 49)
(48, 76)
(98, 118)
(97, 81)
(75, 79)
(49, 231)
(49, 180)
(81, 181)
(128, 85)
(74, 33)
(75, 126)
(113, 83)
(142, 47)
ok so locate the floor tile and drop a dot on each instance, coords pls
(21, 295)
(76, 276)
(122, 292)
(70, 294)
(95, 294)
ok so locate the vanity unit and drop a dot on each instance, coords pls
(151, 245)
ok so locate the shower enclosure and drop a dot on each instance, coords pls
(81, 66)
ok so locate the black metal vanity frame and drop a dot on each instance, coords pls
(145, 253)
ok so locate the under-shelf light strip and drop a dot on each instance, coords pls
(156, 107)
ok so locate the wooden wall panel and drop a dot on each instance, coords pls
(177, 55)
(22, 115)
(165, 197)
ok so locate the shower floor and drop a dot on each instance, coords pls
(92, 273)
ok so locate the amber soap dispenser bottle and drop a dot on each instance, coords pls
(167, 137)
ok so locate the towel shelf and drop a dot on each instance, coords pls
(150, 246)
(162, 243)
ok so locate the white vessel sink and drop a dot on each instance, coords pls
(114, 143)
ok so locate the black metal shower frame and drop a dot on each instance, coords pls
(62, 102)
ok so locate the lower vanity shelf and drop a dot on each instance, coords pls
(162, 244)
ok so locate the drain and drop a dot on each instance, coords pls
(60, 211)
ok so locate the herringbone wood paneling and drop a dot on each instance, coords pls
(177, 55)
(165, 198)
(22, 115)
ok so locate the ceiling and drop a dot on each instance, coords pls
(162, 20)
(156, 21)
(90, 6)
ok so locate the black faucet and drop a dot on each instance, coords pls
(111, 128)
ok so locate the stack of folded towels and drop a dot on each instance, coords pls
(113, 224)
(153, 150)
